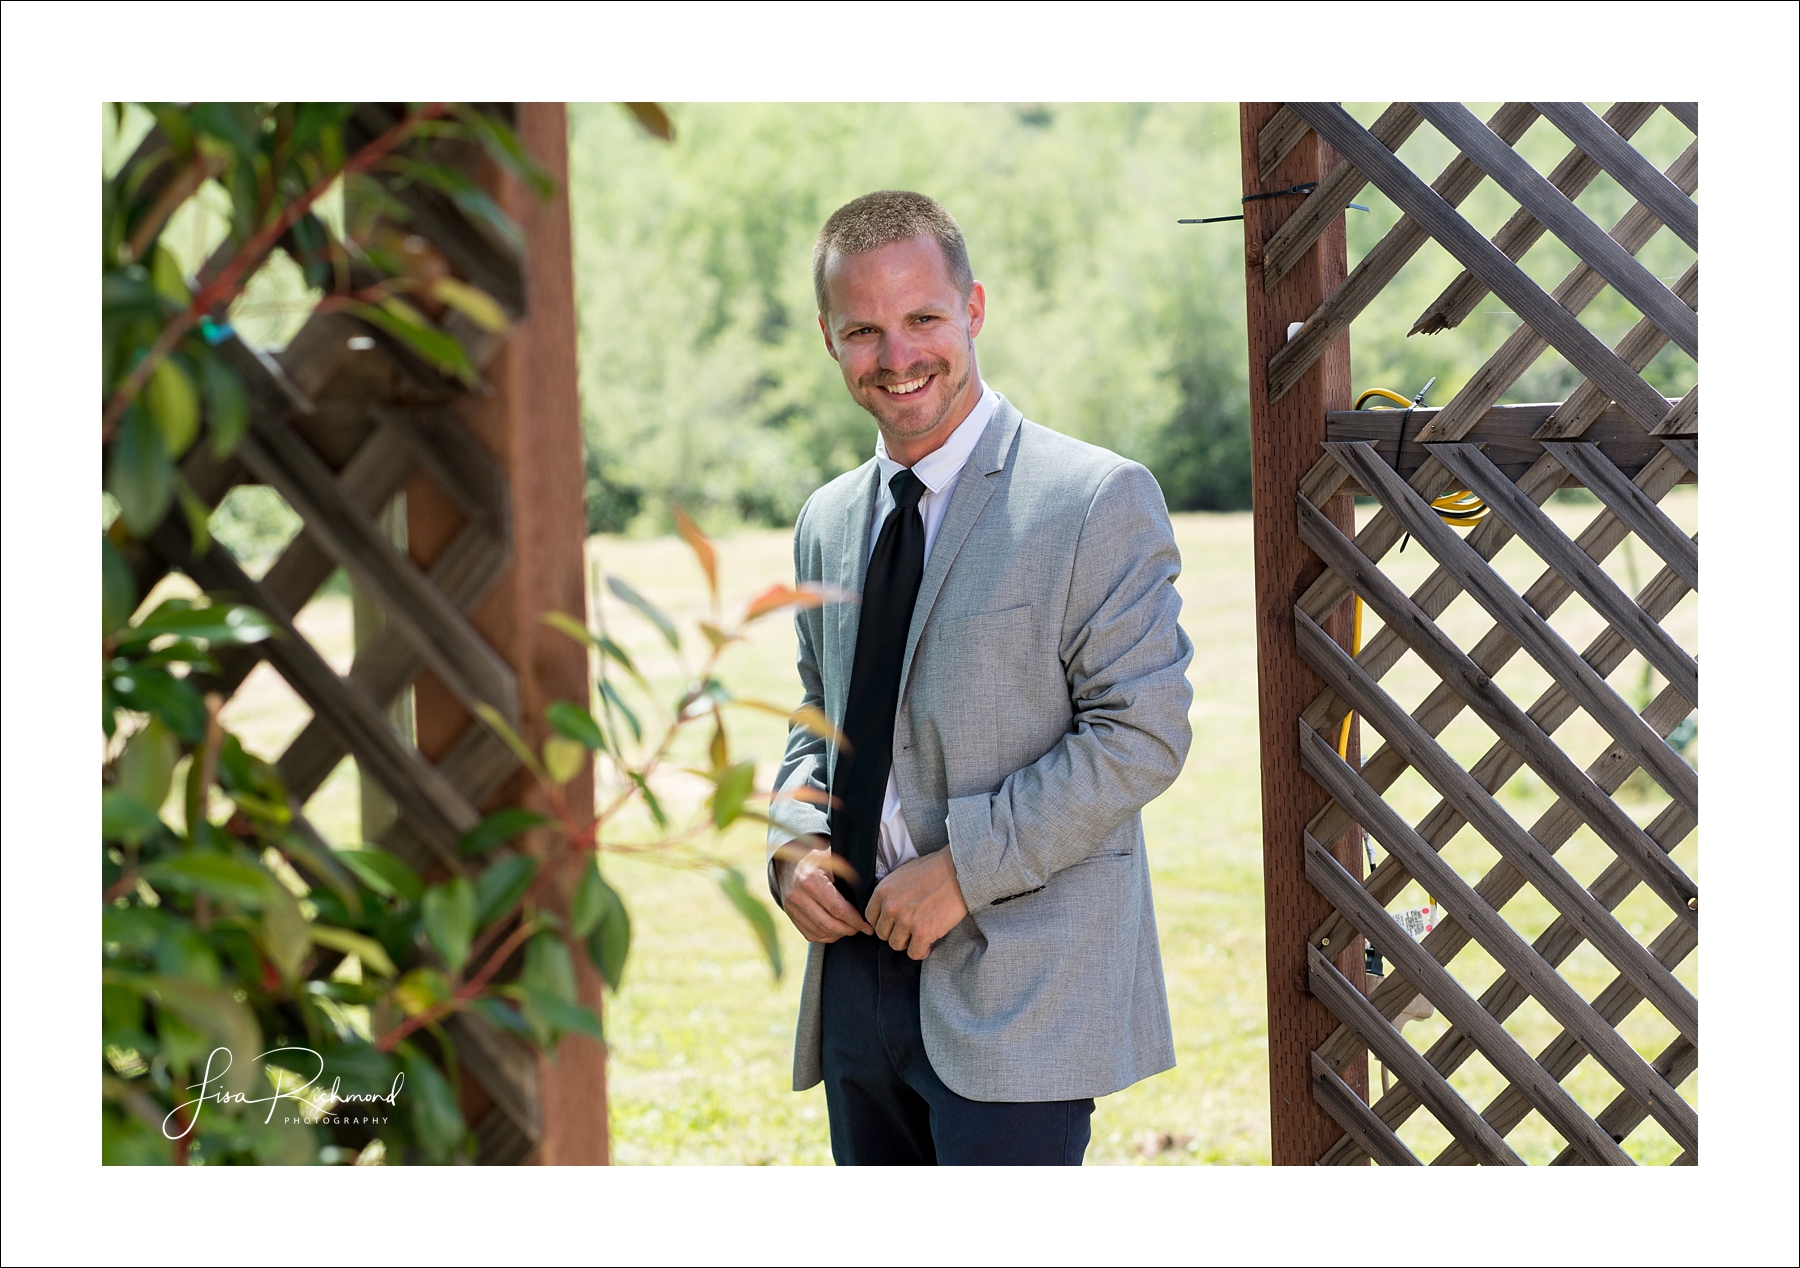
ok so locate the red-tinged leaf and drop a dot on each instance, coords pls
(807, 793)
(720, 748)
(716, 636)
(702, 548)
(795, 850)
(652, 119)
(810, 594)
(777, 597)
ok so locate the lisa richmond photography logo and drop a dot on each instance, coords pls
(307, 1101)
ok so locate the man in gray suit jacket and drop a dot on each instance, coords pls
(966, 854)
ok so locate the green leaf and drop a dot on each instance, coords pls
(383, 873)
(501, 885)
(421, 989)
(162, 695)
(236, 123)
(631, 597)
(564, 758)
(565, 1016)
(253, 784)
(219, 623)
(475, 304)
(174, 405)
(227, 405)
(286, 935)
(139, 473)
(498, 828)
(503, 146)
(612, 651)
(197, 514)
(312, 251)
(165, 276)
(575, 722)
(147, 765)
(589, 903)
(373, 955)
(492, 716)
(221, 876)
(651, 801)
(618, 702)
(502, 1015)
(470, 199)
(735, 783)
(762, 924)
(569, 625)
(609, 937)
(437, 1124)
(125, 819)
(118, 590)
(207, 1009)
(320, 860)
(400, 320)
(183, 952)
(548, 967)
(449, 913)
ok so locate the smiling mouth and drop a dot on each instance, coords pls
(909, 388)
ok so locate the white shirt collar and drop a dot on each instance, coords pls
(939, 467)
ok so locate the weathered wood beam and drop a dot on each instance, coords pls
(1284, 440)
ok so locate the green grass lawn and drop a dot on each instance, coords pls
(701, 1036)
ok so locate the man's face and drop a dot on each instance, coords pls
(904, 338)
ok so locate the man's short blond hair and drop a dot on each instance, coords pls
(890, 215)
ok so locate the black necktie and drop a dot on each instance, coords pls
(860, 780)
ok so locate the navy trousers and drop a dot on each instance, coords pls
(887, 1105)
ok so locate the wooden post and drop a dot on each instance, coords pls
(531, 423)
(1285, 442)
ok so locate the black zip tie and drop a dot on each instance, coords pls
(1401, 444)
(1304, 188)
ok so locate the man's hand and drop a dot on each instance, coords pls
(917, 903)
(811, 901)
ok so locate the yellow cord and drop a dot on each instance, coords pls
(1460, 508)
(1464, 509)
(1382, 391)
(1355, 647)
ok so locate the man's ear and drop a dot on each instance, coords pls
(977, 308)
(826, 332)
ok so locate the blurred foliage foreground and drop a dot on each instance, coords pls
(267, 998)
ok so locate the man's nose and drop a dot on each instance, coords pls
(899, 349)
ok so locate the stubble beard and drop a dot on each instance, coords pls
(894, 430)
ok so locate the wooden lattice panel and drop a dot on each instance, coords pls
(1630, 446)
(341, 420)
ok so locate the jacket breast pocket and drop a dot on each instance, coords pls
(972, 686)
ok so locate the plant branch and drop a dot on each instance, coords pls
(464, 993)
(231, 279)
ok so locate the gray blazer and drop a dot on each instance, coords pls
(1042, 703)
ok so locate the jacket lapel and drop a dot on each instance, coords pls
(966, 505)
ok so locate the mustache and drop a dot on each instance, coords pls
(917, 370)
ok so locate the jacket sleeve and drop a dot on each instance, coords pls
(804, 763)
(1125, 658)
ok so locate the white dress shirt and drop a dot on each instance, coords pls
(938, 471)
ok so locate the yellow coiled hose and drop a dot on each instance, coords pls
(1460, 508)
